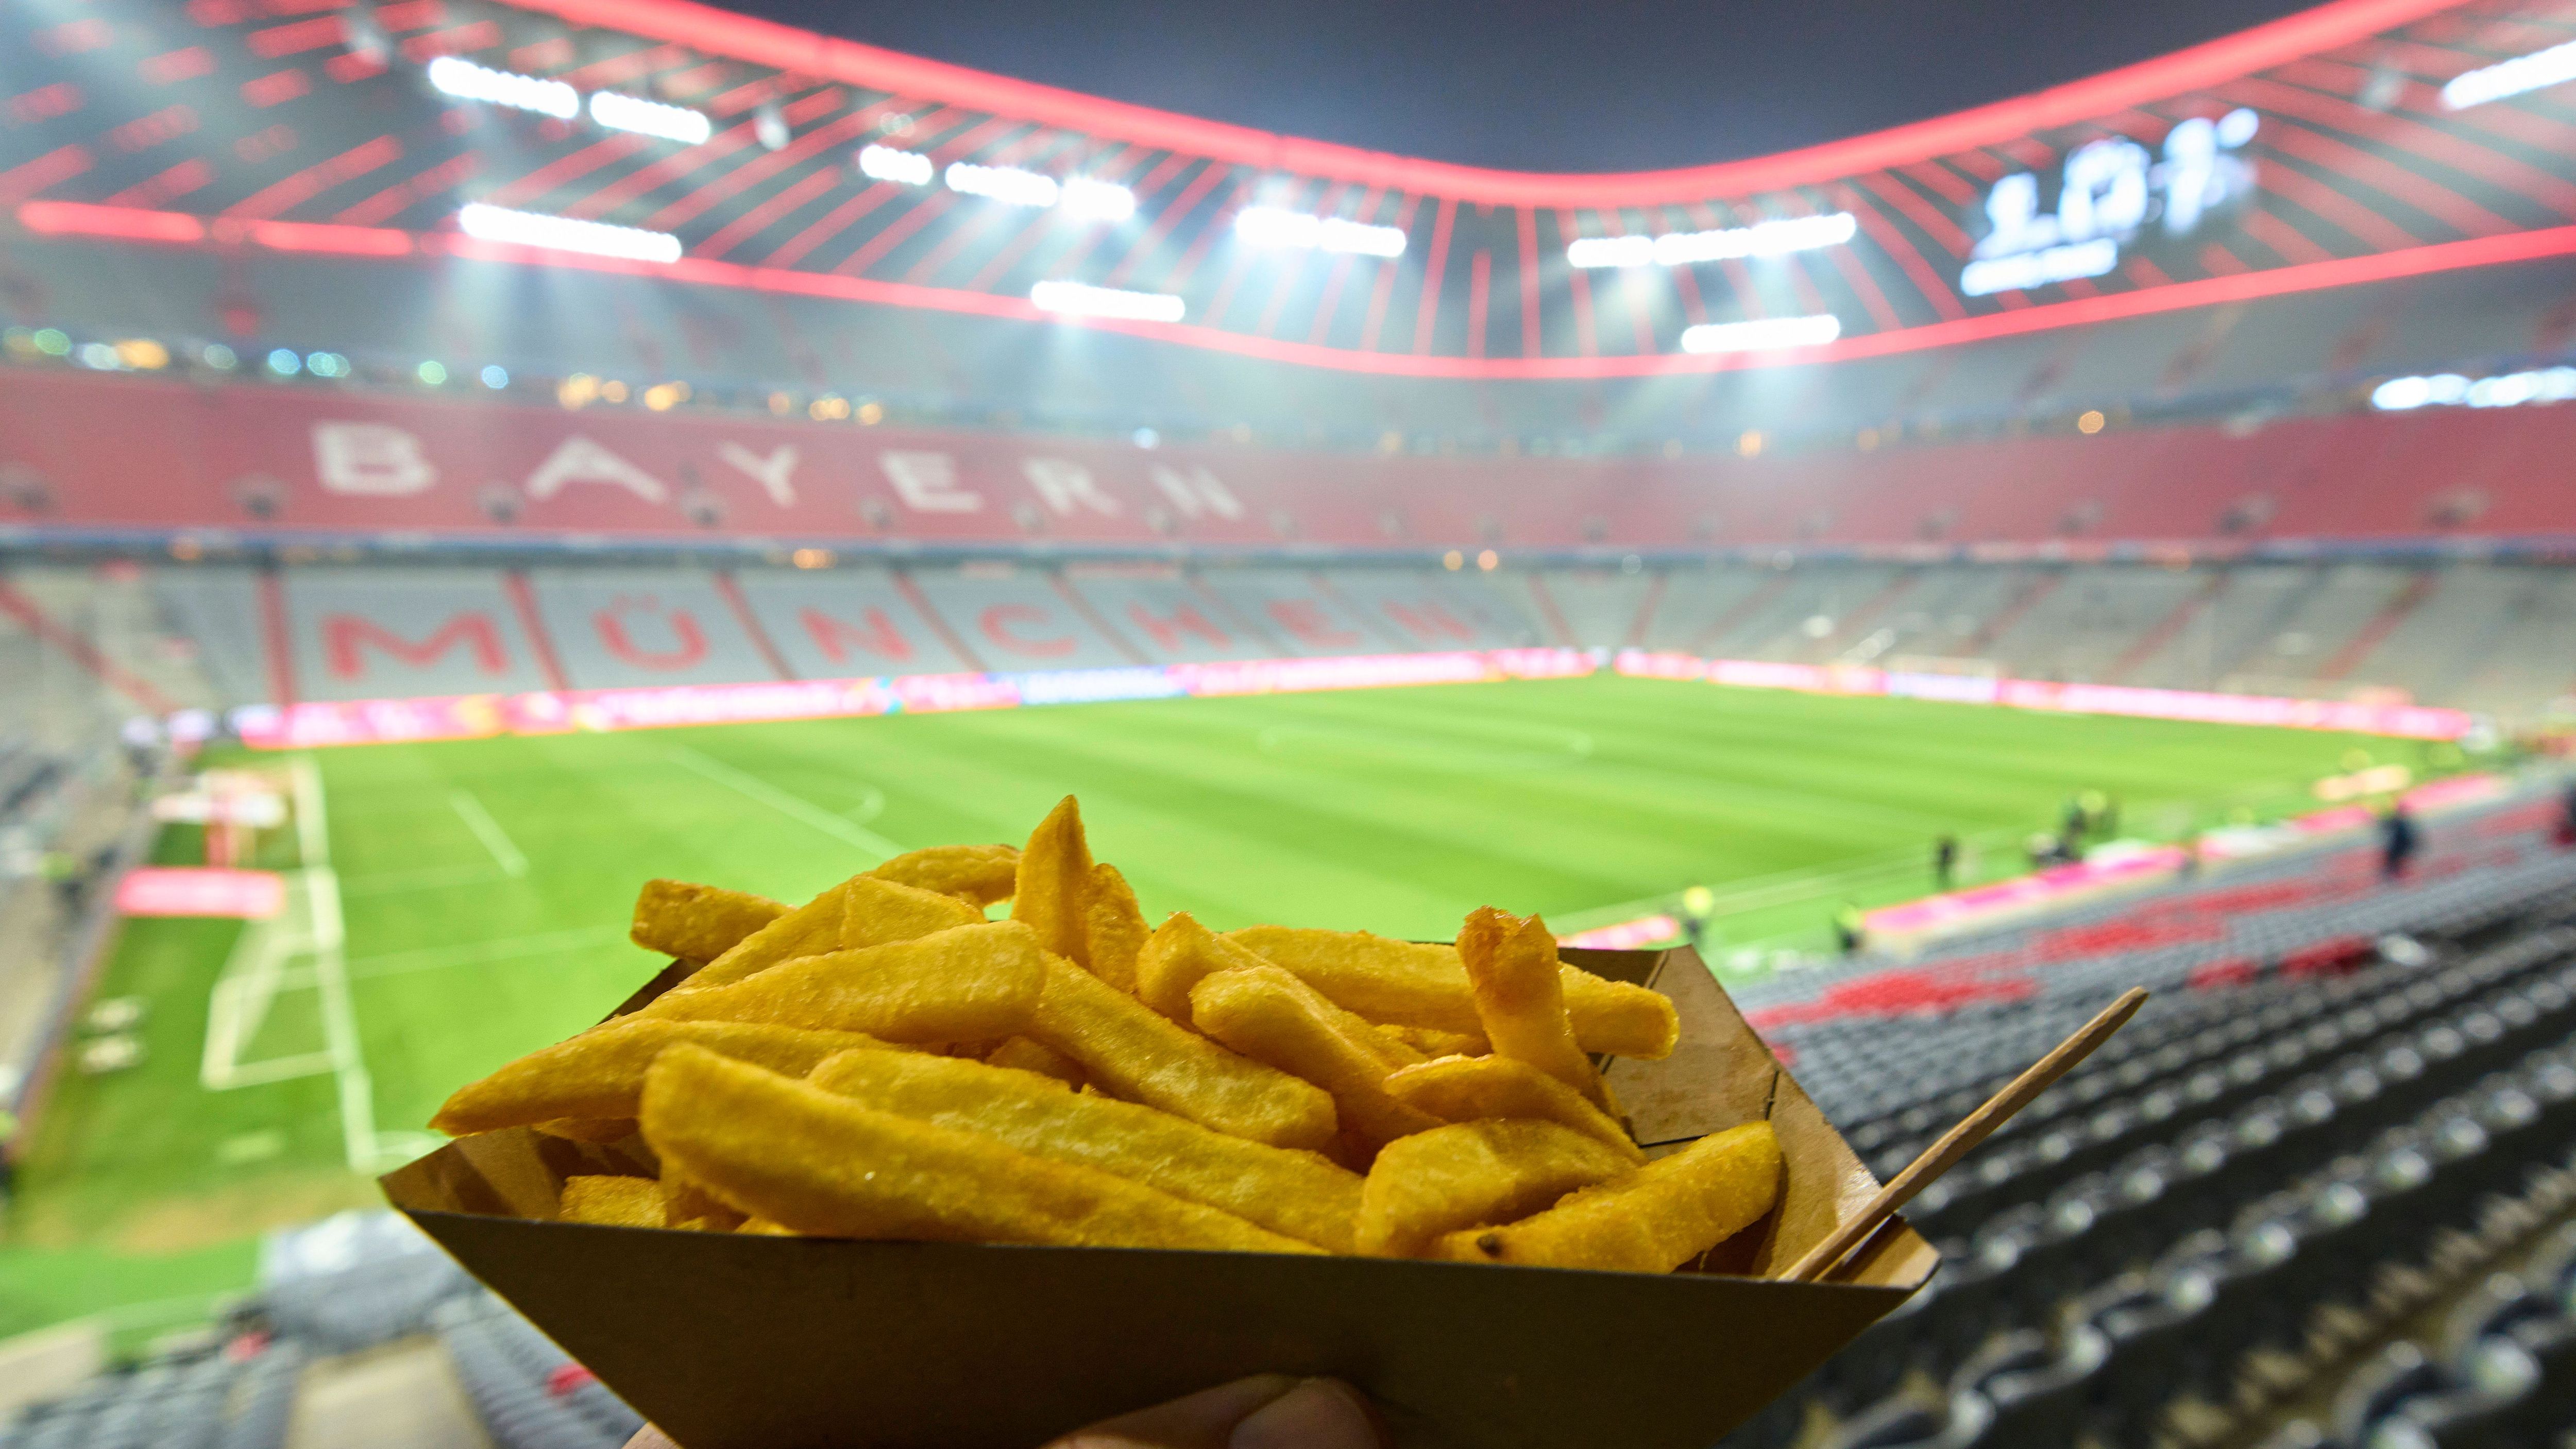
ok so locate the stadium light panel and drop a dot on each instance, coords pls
(1098, 200)
(557, 233)
(1003, 183)
(2450, 389)
(1763, 334)
(2536, 71)
(1272, 226)
(463, 79)
(1774, 238)
(885, 163)
(1079, 299)
(650, 118)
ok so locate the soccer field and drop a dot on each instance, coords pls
(484, 885)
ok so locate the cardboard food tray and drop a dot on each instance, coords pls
(732, 1341)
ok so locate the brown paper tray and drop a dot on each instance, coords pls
(748, 1342)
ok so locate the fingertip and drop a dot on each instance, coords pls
(1316, 1414)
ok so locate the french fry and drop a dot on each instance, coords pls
(1470, 1174)
(763, 1227)
(599, 1075)
(1128, 1050)
(1274, 1018)
(1409, 984)
(882, 912)
(860, 911)
(967, 983)
(590, 1129)
(793, 1154)
(1023, 1055)
(976, 874)
(697, 922)
(1653, 1220)
(1295, 1193)
(1113, 928)
(1434, 1043)
(1177, 956)
(1470, 1089)
(810, 929)
(1511, 966)
(616, 1202)
(1052, 892)
(685, 1203)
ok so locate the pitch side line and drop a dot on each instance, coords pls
(505, 852)
(803, 811)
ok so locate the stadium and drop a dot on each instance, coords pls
(462, 459)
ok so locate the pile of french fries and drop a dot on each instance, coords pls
(885, 1062)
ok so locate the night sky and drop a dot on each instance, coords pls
(1601, 87)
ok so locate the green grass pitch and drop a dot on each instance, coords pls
(1396, 810)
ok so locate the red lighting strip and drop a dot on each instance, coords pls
(59, 218)
(761, 42)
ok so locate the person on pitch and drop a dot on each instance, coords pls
(2398, 841)
(1945, 862)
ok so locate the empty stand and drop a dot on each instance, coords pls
(221, 611)
(1430, 609)
(613, 627)
(390, 633)
(1168, 618)
(849, 623)
(1294, 610)
(1022, 619)
(1596, 608)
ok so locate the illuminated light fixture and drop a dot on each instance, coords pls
(1680, 248)
(495, 376)
(219, 357)
(2536, 71)
(463, 79)
(432, 373)
(1989, 275)
(650, 118)
(885, 163)
(1003, 183)
(1078, 299)
(2450, 389)
(563, 234)
(1763, 334)
(1098, 200)
(284, 362)
(1271, 226)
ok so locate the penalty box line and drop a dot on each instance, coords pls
(257, 971)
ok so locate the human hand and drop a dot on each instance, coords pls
(1266, 1411)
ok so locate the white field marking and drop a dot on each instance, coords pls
(505, 853)
(311, 926)
(252, 977)
(871, 805)
(803, 811)
(427, 878)
(438, 958)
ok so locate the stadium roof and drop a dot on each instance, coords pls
(2362, 140)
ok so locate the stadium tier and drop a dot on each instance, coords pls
(222, 637)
